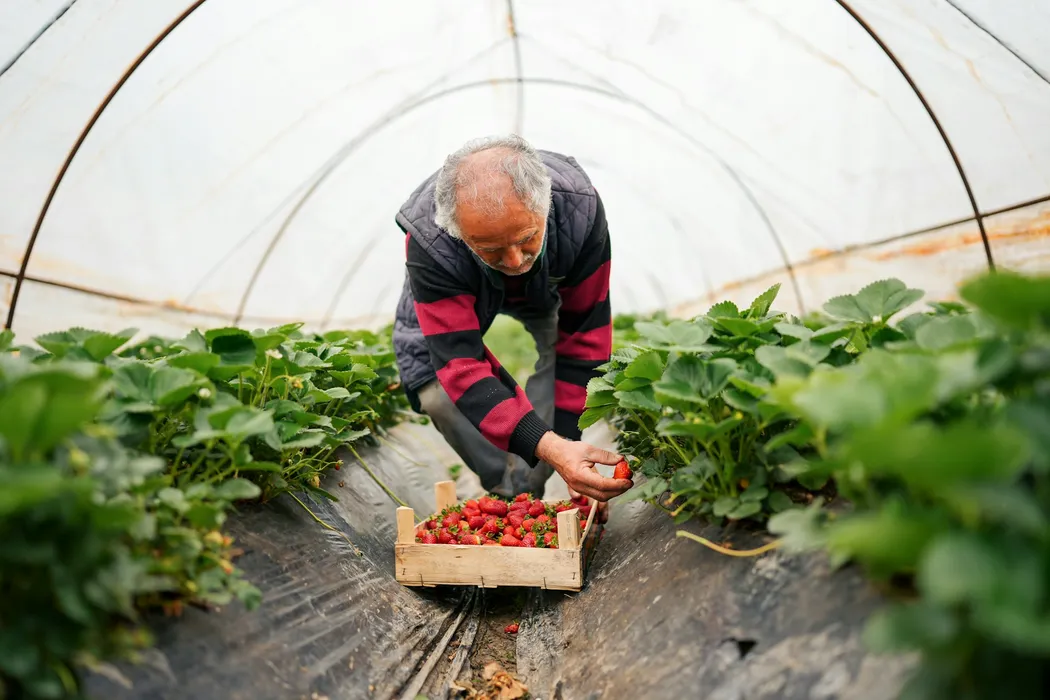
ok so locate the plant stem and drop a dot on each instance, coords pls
(326, 525)
(377, 479)
(730, 552)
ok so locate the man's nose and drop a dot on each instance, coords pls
(513, 258)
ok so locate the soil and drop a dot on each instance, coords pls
(502, 607)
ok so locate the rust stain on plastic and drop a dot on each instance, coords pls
(1033, 228)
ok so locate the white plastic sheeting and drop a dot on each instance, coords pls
(249, 167)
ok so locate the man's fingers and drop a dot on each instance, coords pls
(600, 456)
(590, 483)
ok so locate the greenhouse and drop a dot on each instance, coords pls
(819, 349)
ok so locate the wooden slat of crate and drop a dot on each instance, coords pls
(490, 567)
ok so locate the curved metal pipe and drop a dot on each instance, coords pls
(80, 142)
(351, 146)
(519, 71)
(936, 122)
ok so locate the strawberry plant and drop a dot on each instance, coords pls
(119, 464)
(689, 399)
(940, 437)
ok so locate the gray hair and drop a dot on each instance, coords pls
(521, 163)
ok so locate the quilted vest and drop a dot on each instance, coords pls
(573, 208)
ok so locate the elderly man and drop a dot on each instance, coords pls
(504, 228)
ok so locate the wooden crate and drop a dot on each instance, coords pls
(491, 567)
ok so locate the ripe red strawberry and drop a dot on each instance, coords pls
(450, 519)
(527, 524)
(432, 524)
(429, 538)
(471, 512)
(529, 540)
(544, 520)
(522, 506)
(469, 539)
(515, 519)
(521, 497)
(472, 504)
(488, 543)
(510, 541)
(622, 470)
(536, 509)
(550, 539)
(512, 531)
(492, 506)
(563, 506)
(444, 536)
(511, 628)
(476, 523)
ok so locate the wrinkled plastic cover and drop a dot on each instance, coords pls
(250, 168)
(659, 617)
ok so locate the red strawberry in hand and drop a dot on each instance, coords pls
(511, 628)
(622, 470)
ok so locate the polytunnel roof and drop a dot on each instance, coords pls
(171, 164)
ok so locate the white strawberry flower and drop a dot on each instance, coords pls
(274, 353)
(204, 393)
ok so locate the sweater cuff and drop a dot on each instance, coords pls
(527, 436)
(567, 424)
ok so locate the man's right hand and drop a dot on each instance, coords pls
(574, 461)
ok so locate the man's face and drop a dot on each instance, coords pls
(509, 242)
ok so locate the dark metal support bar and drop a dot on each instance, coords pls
(838, 253)
(347, 150)
(936, 122)
(43, 30)
(519, 71)
(80, 142)
(1013, 52)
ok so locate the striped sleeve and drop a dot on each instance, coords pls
(471, 375)
(584, 327)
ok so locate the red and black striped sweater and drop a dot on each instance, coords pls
(472, 376)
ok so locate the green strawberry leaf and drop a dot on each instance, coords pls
(762, 303)
(723, 309)
(1011, 298)
(649, 366)
(680, 336)
(875, 303)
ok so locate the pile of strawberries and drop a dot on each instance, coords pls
(523, 522)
